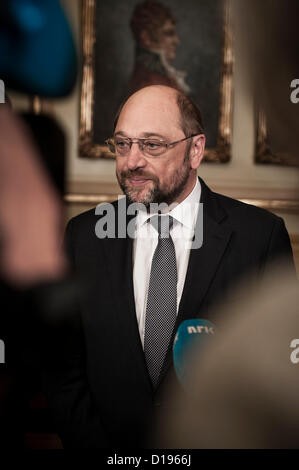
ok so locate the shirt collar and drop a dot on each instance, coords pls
(185, 212)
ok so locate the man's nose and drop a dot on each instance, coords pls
(135, 158)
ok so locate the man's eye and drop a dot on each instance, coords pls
(122, 144)
(152, 145)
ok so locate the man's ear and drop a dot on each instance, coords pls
(197, 151)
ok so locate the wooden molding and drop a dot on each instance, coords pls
(280, 205)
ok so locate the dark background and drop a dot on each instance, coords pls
(200, 30)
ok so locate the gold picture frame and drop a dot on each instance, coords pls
(264, 153)
(88, 148)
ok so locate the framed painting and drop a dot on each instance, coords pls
(128, 44)
(268, 148)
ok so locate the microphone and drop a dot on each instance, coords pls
(191, 333)
(38, 54)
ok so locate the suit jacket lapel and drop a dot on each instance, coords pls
(118, 253)
(203, 262)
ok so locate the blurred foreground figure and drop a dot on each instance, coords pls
(242, 388)
(34, 286)
(37, 56)
(30, 210)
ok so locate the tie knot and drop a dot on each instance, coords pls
(163, 224)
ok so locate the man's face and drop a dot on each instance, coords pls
(166, 39)
(153, 112)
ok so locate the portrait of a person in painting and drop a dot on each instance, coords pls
(154, 30)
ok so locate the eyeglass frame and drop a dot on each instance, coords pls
(139, 142)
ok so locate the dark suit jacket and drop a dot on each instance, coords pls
(98, 385)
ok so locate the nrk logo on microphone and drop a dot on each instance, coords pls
(2, 92)
(191, 336)
(198, 329)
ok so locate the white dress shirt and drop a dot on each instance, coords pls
(145, 243)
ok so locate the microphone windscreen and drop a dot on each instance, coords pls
(193, 332)
(37, 51)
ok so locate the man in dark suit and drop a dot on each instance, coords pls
(108, 376)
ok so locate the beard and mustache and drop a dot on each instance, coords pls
(158, 193)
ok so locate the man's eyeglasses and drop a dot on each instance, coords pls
(150, 147)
